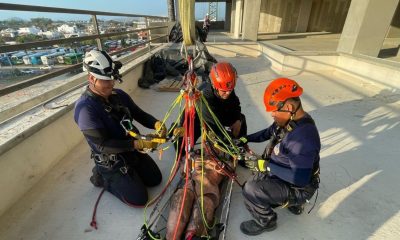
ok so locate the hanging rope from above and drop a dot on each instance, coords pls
(187, 17)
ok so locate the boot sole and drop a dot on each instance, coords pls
(264, 230)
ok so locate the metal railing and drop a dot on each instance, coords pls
(96, 36)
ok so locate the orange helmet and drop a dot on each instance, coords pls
(278, 91)
(223, 76)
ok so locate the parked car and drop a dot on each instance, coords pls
(46, 67)
(27, 71)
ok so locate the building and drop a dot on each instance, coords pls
(28, 30)
(9, 32)
(50, 34)
(65, 28)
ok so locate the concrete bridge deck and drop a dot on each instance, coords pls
(359, 124)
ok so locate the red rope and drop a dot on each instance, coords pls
(93, 223)
(188, 124)
(185, 142)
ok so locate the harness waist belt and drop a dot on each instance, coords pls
(105, 160)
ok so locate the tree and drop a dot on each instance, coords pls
(42, 23)
(113, 23)
(15, 23)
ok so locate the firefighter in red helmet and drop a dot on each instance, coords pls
(220, 95)
(223, 101)
(288, 171)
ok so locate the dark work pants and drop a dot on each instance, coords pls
(131, 187)
(262, 193)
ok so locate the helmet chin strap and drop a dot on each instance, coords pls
(290, 123)
(216, 92)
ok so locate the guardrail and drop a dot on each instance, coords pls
(97, 36)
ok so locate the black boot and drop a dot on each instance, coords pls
(253, 227)
(242, 163)
(296, 209)
(96, 179)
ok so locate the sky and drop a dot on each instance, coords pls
(145, 7)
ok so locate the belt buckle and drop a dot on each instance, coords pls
(124, 170)
(112, 157)
(107, 108)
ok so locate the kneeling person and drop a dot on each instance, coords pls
(119, 166)
(292, 158)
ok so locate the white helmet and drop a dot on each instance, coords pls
(100, 65)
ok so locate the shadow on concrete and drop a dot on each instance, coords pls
(389, 52)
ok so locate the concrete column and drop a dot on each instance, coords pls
(398, 51)
(366, 26)
(304, 15)
(233, 14)
(177, 11)
(228, 9)
(251, 19)
(238, 19)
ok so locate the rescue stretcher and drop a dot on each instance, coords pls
(161, 214)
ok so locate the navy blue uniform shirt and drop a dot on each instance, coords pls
(102, 129)
(293, 159)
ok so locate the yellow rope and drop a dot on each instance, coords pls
(186, 14)
(221, 128)
(203, 133)
(223, 148)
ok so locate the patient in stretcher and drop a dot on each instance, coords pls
(191, 222)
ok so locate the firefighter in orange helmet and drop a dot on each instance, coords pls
(220, 94)
(223, 101)
(288, 170)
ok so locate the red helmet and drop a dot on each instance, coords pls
(223, 76)
(278, 91)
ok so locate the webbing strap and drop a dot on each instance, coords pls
(112, 107)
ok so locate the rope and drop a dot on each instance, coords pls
(172, 176)
(93, 223)
(191, 106)
(186, 10)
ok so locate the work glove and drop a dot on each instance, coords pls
(178, 132)
(256, 164)
(141, 144)
(241, 142)
(161, 129)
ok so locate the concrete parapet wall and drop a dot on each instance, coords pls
(26, 163)
(34, 152)
(380, 72)
(290, 62)
(384, 73)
